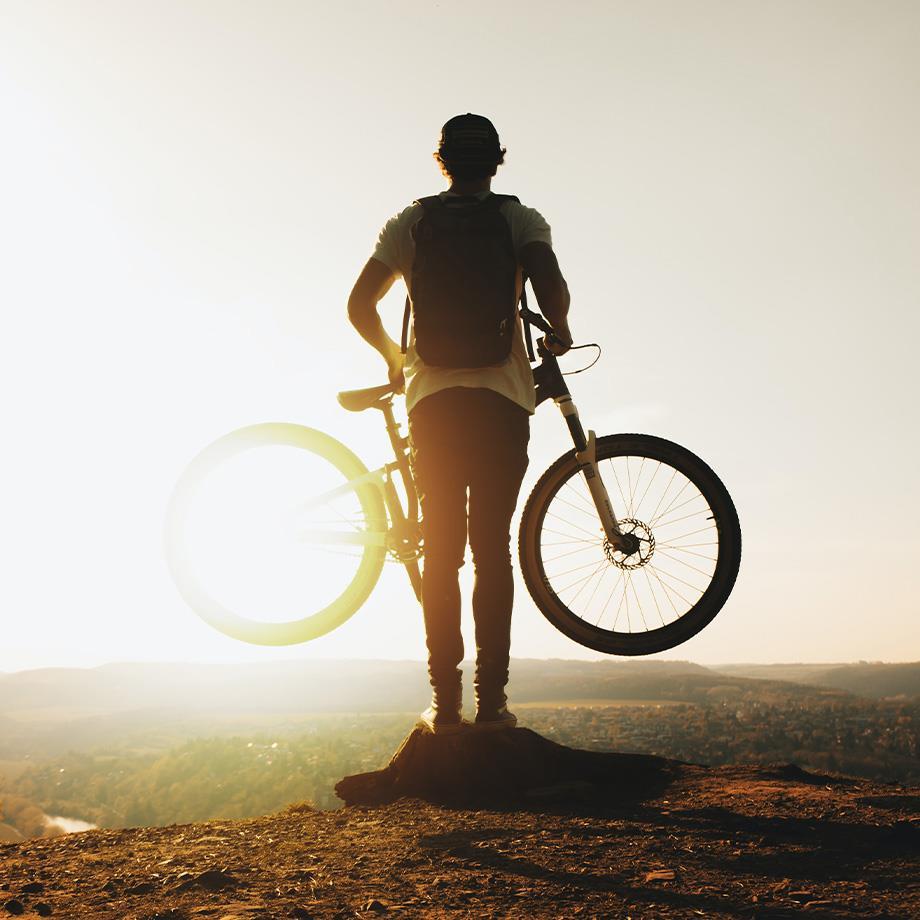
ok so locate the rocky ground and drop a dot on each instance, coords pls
(726, 842)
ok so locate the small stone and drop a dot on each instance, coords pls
(660, 875)
(43, 909)
(377, 906)
(33, 888)
(14, 907)
(141, 888)
(215, 880)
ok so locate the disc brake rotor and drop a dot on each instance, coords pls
(646, 545)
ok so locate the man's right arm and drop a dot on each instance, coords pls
(542, 268)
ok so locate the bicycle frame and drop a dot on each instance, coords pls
(403, 539)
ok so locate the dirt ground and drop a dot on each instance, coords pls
(726, 842)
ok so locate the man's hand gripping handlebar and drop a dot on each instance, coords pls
(554, 341)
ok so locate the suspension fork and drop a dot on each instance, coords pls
(550, 384)
(586, 456)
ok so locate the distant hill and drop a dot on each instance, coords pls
(298, 686)
(870, 679)
(57, 709)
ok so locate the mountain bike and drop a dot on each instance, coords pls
(629, 544)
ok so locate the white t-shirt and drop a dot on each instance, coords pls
(512, 378)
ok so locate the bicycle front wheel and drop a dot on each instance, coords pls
(276, 534)
(689, 551)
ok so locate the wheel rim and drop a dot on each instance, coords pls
(279, 566)
(650, 590)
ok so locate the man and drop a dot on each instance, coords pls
(470, 395)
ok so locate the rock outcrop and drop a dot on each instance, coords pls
(507, 768)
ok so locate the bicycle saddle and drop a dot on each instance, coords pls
(359, 400)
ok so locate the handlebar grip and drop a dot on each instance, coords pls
(550, 337)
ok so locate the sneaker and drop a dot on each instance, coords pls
(494, 719)
(441, 722)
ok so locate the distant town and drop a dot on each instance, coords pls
(110, 747)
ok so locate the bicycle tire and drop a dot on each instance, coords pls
(345, 467)
(662, 586)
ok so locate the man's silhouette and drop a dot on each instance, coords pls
(470, 395)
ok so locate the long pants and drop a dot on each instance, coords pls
(468, 441)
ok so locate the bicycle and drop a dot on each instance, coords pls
(671, 557)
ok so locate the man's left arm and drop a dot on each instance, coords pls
(375, 280)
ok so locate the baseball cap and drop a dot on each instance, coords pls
(469, 138)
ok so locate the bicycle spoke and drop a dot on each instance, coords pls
(626, 595)
(689, 552)
(667, 593)
(593, 511)
(660, 519)
(600, 581)
(570, 524)
(629, 508)
(600, 568)
(713, 543)
(663, 494)
(559, 533)
(691, 534)
(651, 591)
(589, 506)
(686, 517)
(579, 568)
(609, 597)
(565, 542)
(687, 564)
(671, 575)
(638, 602)
(619, 488)
(634, 489)
(655, 520)
(616, 618)
(580, 582)
(654, 477)
(571, 552)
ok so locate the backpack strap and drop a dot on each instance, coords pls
(404, 339)
(426, 204)
(525, 317)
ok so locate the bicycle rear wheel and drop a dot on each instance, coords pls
(665, 593)
(273, 537)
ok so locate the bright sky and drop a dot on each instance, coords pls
(189, 191)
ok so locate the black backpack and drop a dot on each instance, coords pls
(462, 289)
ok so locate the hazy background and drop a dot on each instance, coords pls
(189, 190)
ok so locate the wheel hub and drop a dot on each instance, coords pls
(639, 549)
